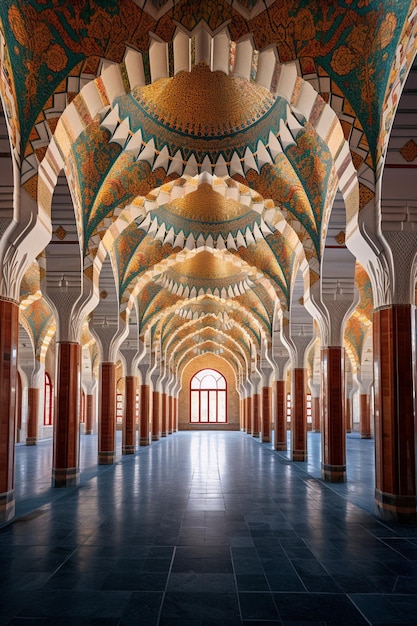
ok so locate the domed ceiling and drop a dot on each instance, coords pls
(204, 145)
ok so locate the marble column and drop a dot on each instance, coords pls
(333, 465)
(280, 416)
(348, 415)
(316, 407)
(107, 414)
(256, 414)
(9, 334)
(298, 415)
(266, 414)
(66, 454)
(32, 416)
(129, 421)
(170, 413)
(144, 408)
(89, 414)
(164, 410)
(156, 415)
(365, 416)
(249, 409)
(394, 342)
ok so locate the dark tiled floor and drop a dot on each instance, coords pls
(199, 529)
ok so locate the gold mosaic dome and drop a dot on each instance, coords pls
(202, 103)
(202, 117)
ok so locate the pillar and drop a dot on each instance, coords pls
(66, 453)
(316, 409)
(333, 449)
(164, 409)
(256, 414)
(33, 416)
(298, 416)
(9, 333)
(280, 416)
(175, 414)
(365, 416)
(249, 410)
(89, 414)
(107, 414)
(266, 413)
(394, 342)
(348, 416)
(156, 415)
(129, 421)
(170, 414)
(144, 415)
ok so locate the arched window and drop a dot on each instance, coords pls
(48, 407)
(208, 397)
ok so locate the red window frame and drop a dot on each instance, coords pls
(208, 391)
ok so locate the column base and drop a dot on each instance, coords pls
(31, 441)
(266, 439)
(66, 477)
(281, 446)
(392, 508)
(106, 457)
(7, 506)
(255, 435)
(366, 436)
(299, 455)
(333, 473)
(88, 432)
(348, 430)
(163, 434)
(144, 441)
(155, 437)
(128, 449)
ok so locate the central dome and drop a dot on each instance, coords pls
(202, 103)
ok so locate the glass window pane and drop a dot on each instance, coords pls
(195, 406)
(221, 407)
(213, 406)
(204, 406)
(208, 382)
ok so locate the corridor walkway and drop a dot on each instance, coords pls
(199, 529)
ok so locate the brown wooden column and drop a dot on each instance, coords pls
(245, 414)
(144, 415)
(33, 416)
(156, 415)
(164, 413)
(9, 333)
(175, 427)
(348, 416)
(129, 421)
(107, 414)
(266, 413)
(249, 408)
(365, 416)
(316, 407)
(280, 416)
(256, 414)
(170, 414)
(66, 455)
(89, 414)
(333, 448)
(298, 416)
(395, 438)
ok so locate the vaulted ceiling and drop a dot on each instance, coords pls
(193, 158)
